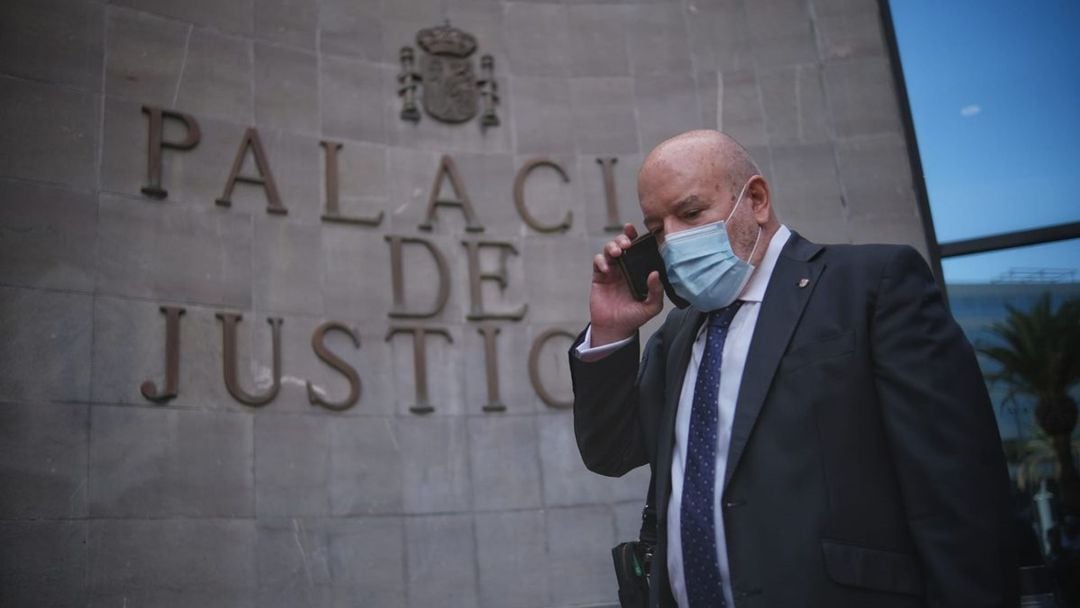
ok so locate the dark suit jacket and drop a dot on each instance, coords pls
(865, 466)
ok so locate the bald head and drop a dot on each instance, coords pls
(708, 151)
(695, 178)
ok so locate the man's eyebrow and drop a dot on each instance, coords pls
(677, 208)
(689, 201)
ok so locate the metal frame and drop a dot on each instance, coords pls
(922, 198)
(1008, 240)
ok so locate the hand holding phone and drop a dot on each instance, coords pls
(619, 301)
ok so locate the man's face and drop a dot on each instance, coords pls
(678, 196)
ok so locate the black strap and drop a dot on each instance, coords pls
(648, 533)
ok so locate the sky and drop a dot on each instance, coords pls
(994, 87)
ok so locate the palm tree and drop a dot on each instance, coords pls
(1039, 354)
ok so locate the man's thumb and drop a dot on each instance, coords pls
(655, 299)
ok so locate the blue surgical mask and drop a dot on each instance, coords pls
(702, 267)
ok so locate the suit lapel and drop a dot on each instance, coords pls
(678, 358)
(781, 308)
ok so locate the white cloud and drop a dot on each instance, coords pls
(970, 110)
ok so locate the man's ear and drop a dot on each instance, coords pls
(758, 193)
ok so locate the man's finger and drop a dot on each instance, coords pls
(656, 291)
(612, 249)
(629, 231)
(599, 264)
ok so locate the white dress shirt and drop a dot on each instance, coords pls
(731, 370)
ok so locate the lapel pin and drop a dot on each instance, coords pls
(803, 283)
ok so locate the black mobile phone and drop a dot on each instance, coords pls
(638, 261)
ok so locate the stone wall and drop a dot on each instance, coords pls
(112, 499)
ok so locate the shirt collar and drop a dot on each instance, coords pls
(759, 280)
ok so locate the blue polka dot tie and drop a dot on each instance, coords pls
(701, 570)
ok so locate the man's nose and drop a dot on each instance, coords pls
(671, 226)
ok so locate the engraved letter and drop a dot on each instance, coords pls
(519, 196)
(476, 278)
(534, 367)
(228, 332)
(610, 196)
(156, 142)
(447, 169)
(423, 405)
(265, 178)
(491, 362)
(318, 344)
(172, 359)
(397, 277)
(333, 212)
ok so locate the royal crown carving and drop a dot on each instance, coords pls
(446, 40)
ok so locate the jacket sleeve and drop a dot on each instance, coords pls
(943, 436)
(607, 421)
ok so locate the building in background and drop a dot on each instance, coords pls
(366, 264)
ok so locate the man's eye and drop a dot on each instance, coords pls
(692, 213)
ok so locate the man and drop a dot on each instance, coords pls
(817, 427)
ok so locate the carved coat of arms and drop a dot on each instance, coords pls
(451, 92)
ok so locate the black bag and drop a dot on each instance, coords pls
(633, 559)
(631, 574)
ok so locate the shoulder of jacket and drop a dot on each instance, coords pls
(873, 255)
(674, 320)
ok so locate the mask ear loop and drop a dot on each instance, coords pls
(738, 202)
(756, 240)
